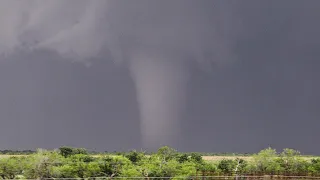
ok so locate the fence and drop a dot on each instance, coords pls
(189, 178)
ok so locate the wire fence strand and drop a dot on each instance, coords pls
(184, 177)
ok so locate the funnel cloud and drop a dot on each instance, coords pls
(160, 84)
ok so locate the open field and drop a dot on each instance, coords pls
(8, 155)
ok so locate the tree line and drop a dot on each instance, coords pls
(68, 162)
(28, 152)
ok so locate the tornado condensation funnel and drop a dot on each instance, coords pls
(160, 85)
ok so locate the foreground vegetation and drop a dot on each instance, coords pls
(67, 162)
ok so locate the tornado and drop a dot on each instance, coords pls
(160, 82)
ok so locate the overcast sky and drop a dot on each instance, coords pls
(268, 94)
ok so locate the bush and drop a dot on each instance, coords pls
(227, 166)
(135, 156)
(292, 163)
(10, 168)
(187, 169)
(40, 165)
(264, 162)
(196, 157)
(68, 151)
(241, 166)
(182, 158)
(167, 153)
(314, 167)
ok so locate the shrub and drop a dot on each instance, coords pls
(135, 156)
(68, 151)
(314, 167)
(196, 157)
(227, 166)
(264, 162)
(183, 158)
(167, 153)
(10, 168)
(292, 163)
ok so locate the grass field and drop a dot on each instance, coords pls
(7, 155)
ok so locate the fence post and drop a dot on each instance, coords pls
(203, 172)
(197, 174)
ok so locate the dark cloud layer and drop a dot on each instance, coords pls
(268, 96)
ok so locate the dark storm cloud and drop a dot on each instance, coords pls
(268, 95)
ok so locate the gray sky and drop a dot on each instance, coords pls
(267, 94)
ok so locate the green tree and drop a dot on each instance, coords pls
(187, 169)
(155, 166)
(79, 151)
(40, 165)
(241, 166)
(183, 158)
(292, 163)
(314, 167)
(10, 168)
(166, 153)
(227, 166)
(114, 166)
(265, 162)
(196, 157)
(66, 151)
(77, 166)
(135, 156)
